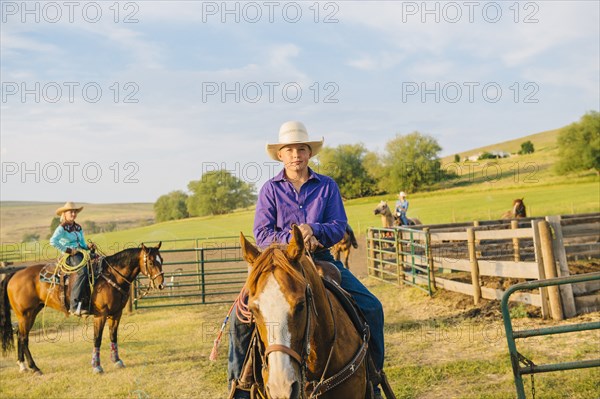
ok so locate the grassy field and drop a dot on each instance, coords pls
(436, 348)
(19, 218)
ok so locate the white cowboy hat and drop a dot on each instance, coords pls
(402, 194)
(293, 133)
(69, 206)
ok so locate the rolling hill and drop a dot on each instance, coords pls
(481, 190)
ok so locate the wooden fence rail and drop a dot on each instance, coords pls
(518, 250)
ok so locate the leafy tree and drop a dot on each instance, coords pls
(90, 227)
(30, 237)
(217, 193)
(53, 225)
(373, 164)
(579, 145)
(526, 148)
(345, 165)
(456, 158)
(488, 155)
(412, 162)
(171, 206)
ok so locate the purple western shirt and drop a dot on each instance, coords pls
(318, 204)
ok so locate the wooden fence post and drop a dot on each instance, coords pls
(537, 248)
(429, 254)
(550, 269)
(474, 266)
(129, 305)
(478, 253)
(558, 247)
(514, 224)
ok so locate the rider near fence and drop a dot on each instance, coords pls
(402, 208)
(297, 195)
(68, 238)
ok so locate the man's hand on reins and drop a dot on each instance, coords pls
(311, 242)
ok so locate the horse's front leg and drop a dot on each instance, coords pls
(99, 322)
(113, 325)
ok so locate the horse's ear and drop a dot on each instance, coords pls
(143, 247)
(296, 246)
(159, 244)
(249, 251)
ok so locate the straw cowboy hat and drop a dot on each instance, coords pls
(293, 133)
(402, 194)
(69, 206)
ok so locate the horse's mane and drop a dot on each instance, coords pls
(268, 260)
(121, 256)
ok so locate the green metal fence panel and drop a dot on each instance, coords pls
(516, 358)
(203, 274)
(405, 251)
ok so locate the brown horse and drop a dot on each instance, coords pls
(27, 295)
(344, 245)
(388, 219)
(306, 334)
(518, 210)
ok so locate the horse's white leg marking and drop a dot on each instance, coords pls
(275, 310)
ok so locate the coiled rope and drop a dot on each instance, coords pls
(62, 266)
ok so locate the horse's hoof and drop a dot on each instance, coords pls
(119, 364)
(98, 370)
(22, 367)
(37, 372)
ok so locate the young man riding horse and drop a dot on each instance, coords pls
(298, 195)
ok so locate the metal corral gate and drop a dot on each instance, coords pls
(400, 255)
(197, 271)
(516, 358)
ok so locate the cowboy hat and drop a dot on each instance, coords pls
(69, 206)
(293, 133)
(402, 194)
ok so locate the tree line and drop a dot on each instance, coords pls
(409, 162)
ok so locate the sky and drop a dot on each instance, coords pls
(110, 102)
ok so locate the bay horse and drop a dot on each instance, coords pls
(27, 295)
(306, 334)
(518, 210)
(388, 220)
(344, 245)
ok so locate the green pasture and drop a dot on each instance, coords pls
(434, 349)
(442, 206)
(482, 190)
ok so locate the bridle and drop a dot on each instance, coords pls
(519, 209)
(147, 273)
(129, 282)
(301, 358)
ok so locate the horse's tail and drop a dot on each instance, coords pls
(6, 330)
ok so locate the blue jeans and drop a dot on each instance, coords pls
(404, 219)
(240, 334)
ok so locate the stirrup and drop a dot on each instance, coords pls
(236, 387)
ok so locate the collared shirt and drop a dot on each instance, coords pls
(68, 236)
(318, 204)
(402, 206)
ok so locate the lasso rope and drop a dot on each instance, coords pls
(61, 265)
(242, 313)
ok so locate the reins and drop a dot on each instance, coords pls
(125, 292)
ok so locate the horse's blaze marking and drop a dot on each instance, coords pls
(158, 259)
(275, 310)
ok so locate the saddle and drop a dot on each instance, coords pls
(49, 274)
(251, 378)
